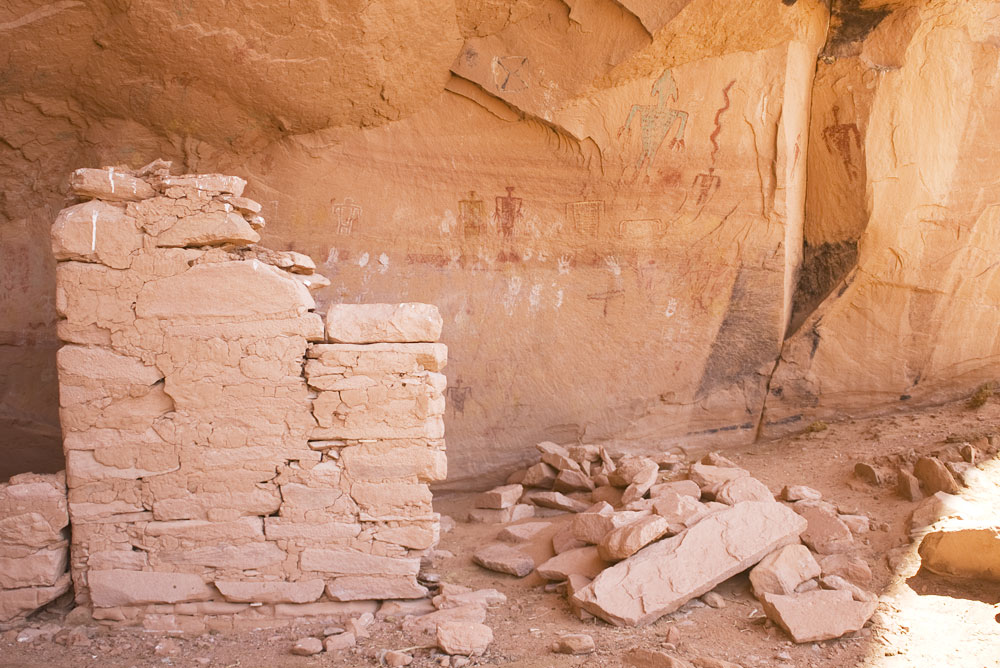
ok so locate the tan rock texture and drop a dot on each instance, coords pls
(662, 577)
(219, 452)
(34, 550)
(658, 192)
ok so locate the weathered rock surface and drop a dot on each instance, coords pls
(665, 575)
(826, 533)
(935, 476)
(964, 549)
(500, 497)
(465, 638)
(574, 643)
(818, 615)
(628, 539)
(383, 323)
(504, 559)
(782, 571)
(585, 561)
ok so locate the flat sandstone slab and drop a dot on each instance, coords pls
(664, 576)
(818, 615)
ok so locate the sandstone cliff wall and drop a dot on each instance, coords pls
(226, 464)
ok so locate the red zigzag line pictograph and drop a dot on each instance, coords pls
(718, 120)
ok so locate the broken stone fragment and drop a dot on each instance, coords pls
(607, 493)
(307, 647)
(243, 205)
(565, 540)
(575, 583)
(559, 501)
(837, 582)
(109, 184)
(521, 533)
(935, 476)
(817, 615)
(499, 497)
(514, 513)
(464, 638)
(540, 475)
(558, 458)
(680, 511)
(592, 527)
(504, 559)
(716, 459)
(936, 507)
(800, 493)
(585, 453)
(744, 488)
(572, 481)
(650, 658)
(574, 643)
(339, 642)
(826, 533)
(858, 524)
(714, 600)
(484, 597)
(782, 571)
(850, 567)
(631, 468)
(383, 323)
(663, 576)
(868, 473)
(907, 485)
(208, 229)
(963, 549)
(423, 628)
(626, 540)
(585, 561)
(642, 481)
(678, 487)
(710, 478)
(215, 184)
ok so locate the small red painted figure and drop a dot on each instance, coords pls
(705, 185)
(508, 213)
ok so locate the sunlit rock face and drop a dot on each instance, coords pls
(909, 121)
(620, 208)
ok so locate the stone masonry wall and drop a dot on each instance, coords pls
(209, 481)
(34, 545)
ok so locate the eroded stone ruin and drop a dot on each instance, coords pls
(658, 239)
(219, 452)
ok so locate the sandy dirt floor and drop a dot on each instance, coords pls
(923, 620)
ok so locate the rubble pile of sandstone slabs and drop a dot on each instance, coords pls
(34, 545)
(648, 535)
(228, 461)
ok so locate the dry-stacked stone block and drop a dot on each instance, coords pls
(34, 549)
(210, 483)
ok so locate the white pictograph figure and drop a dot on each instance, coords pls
(345, 215)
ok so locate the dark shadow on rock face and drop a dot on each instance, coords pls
(926, 583)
